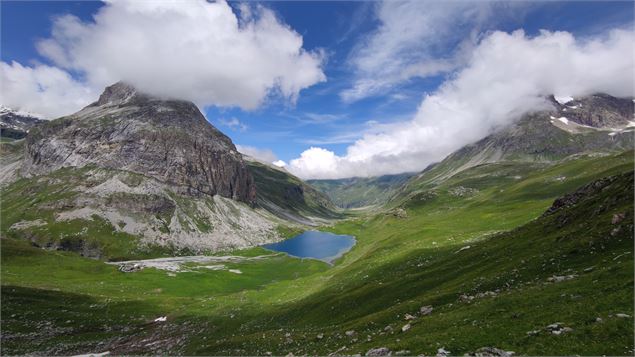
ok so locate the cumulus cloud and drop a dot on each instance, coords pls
(195, 50)
(44, 90)
(264, 155)
(506, 76)
(409, 39)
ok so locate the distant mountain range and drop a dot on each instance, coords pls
(15, 124)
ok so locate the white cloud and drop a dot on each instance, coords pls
(264, 155)
(195, 50)
(41, 89)
(233, 124)
(422, 38)
(507, 75)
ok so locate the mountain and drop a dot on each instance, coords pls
(288, 197)
(16, 124)
(359, 192)
(596, 125)
(167, 140)
(135, 175)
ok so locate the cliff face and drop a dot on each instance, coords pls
(168, 140)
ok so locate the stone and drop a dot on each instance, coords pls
(624, 316)
(380, 351)
(405, 327)
(442, 352)
(561, 278)
(402, 353)
(491, 352)
(618, 217)
(320, 336)
(409, 317)
(426, 310)
(350, 333)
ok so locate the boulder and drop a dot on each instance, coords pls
(380, 351)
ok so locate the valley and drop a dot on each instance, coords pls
(495, 270)
(317, 178)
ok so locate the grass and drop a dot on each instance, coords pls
(280, 304)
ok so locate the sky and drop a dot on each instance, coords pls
(327, 89)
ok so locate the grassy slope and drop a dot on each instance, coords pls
(289, 193)
(398, 265)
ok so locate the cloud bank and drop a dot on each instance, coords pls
(195, 50)
(506, 76)
(416, 39)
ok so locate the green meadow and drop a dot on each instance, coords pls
(475, 247)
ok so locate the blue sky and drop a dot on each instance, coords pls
(339, 31)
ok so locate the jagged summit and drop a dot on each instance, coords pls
(118, 93)
(169, 140)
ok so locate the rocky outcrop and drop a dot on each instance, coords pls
(597, 111)
(585, 192)
(168, 140)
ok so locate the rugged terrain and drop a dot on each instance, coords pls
(14, 124)
(529, 250)
(133, 175)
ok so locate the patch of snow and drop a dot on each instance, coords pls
(564, 120)
(612, 134)
(6, 110)
(563, 99)
(630, 124)
(107, 353)
(235, 271)
(161, 319)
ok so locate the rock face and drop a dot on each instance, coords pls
(598, 110)
(168, 140)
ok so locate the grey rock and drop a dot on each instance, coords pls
(618, 217)
(381, 351)
(168, 140)
(426, 310)
(491, 352)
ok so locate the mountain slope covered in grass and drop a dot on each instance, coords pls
(288, 197)
(496, 270)
(360, 191)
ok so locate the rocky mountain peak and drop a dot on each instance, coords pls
(118, 93)
(168, 140)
